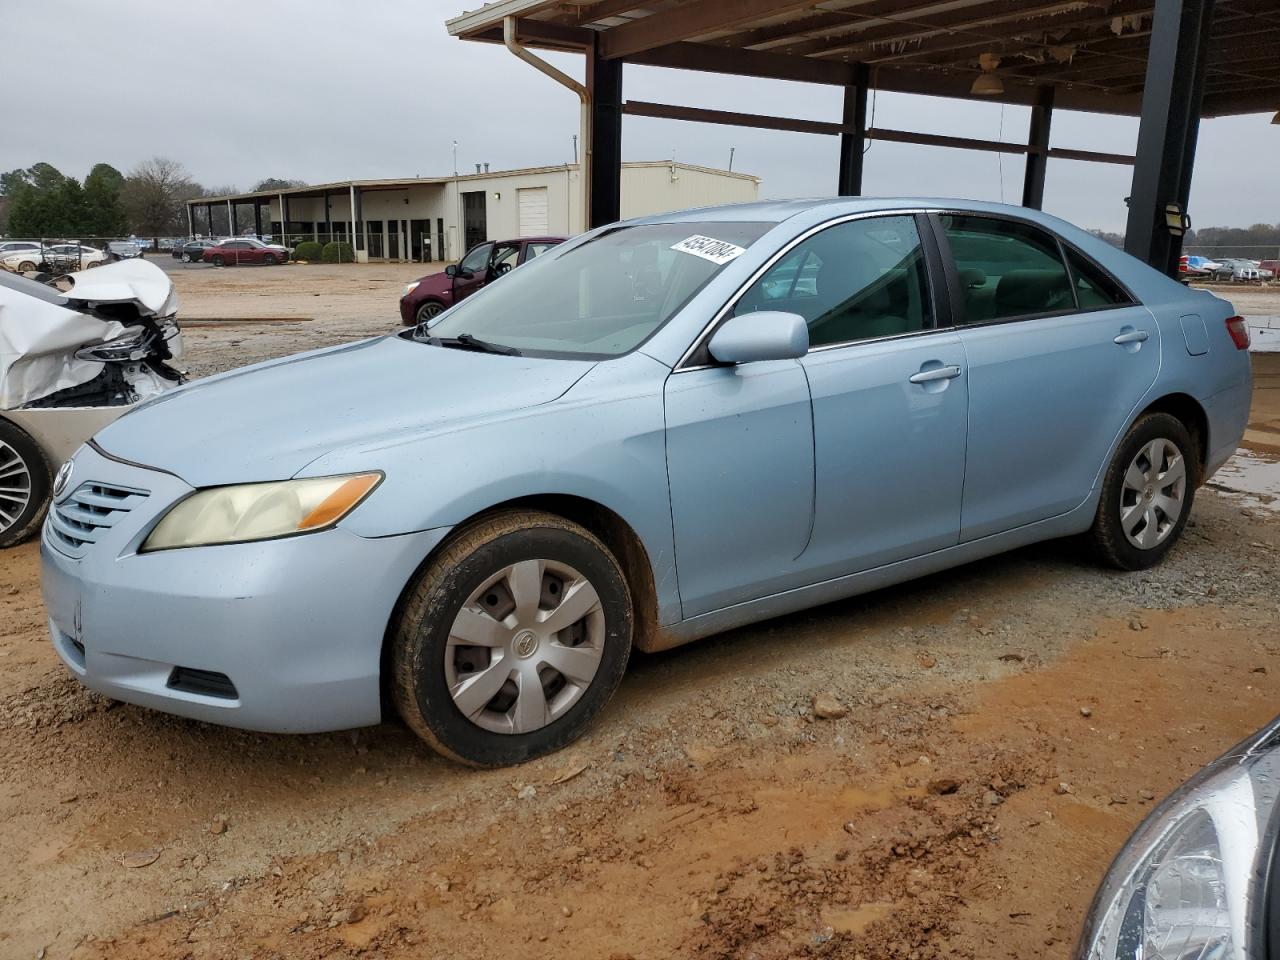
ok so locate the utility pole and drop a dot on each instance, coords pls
(455, 158)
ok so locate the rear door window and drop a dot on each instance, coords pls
(1007, 269)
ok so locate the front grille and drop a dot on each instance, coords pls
(83, 517)
(207, 683)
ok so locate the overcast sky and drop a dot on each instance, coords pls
(324, 90)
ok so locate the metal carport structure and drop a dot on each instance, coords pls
(1169, 62)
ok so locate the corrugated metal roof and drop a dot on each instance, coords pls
(1093, 52)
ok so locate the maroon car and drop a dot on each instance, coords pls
(245, 250)
(484, 263)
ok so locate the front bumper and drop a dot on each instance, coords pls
(295, 625)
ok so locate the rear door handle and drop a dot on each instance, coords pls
(1133, 336)
(938, 373)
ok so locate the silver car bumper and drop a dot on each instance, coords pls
(280, 636)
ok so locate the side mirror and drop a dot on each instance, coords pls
(451, 270)
(766, 335)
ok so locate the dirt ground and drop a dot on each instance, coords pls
(1008, 723)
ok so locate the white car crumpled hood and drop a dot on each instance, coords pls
(38, 339)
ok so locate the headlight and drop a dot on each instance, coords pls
(409, 288)
(1187, 884)
(260, 511)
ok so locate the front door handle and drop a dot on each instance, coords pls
(938, 373)
(1133, 336)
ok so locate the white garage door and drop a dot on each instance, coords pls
(533, 211)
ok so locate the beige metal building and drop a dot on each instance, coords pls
(440, 218)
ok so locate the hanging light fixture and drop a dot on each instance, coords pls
(987, 85)
(988, 82)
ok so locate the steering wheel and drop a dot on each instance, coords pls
(500, 268)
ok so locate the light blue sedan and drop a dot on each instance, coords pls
(659, 430)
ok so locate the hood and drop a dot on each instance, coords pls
(268, 421)
(127, 281)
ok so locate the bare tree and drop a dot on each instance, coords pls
(153, 195)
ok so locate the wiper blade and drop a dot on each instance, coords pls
(466, 341)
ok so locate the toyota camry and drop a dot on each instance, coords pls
(658, 430)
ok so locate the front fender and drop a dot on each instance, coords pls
(603, 441)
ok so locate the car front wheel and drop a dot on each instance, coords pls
(429, 311)
(217, 260)
(1147, 493)
(511, 640)
(24, 485)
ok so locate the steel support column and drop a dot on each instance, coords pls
(853, 145)
(328, 218)
(257, 218)
(603, 152)
(1038, 149)
(233, 223)
(208, 214)
(1170, 123)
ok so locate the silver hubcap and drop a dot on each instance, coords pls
(15, 486)
(1155, 488)
(525, 646)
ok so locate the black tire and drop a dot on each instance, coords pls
(432, 601)
(270, 259)
(217, 260)
(1108, 535)
(185, 258)
(428, 311)
(26, 266)
(28, 520)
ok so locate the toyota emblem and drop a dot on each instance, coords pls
(63, 480)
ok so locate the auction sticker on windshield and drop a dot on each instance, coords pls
(709, 248)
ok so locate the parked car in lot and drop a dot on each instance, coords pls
(1205, 267)
(58, 257)
(13, 246)
(193, 250)
(1200, 877)
(122, 250)
(242, 250)
(21, 256)
(655, 431)
(1272, 265)
(1265, 273)
(431, 295)
(1245, 271)
(71, 361)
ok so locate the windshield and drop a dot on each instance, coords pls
(603, 298)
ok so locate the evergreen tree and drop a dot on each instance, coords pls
(105, 215)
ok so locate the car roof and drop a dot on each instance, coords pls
(776, 211)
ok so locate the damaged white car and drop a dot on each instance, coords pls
(74, 357)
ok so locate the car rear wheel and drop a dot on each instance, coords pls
(24, 485)
(429, 311)
(1147, 493)
(511, 640)
(186, 258)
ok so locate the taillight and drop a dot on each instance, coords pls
(1239, 332)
